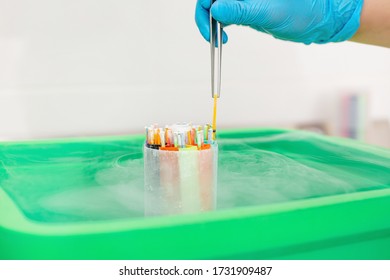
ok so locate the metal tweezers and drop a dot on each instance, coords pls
(215, 35)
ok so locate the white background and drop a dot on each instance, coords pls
(281, 270)
(94, 67)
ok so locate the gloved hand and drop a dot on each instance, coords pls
(306, 21)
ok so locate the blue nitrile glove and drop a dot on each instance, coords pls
(306, 21)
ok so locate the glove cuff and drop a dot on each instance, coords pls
(351, 26)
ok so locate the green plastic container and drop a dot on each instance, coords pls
(281, 195)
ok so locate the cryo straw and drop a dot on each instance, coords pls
(215, 36)
(214, 118)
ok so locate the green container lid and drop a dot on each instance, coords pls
(281, 195)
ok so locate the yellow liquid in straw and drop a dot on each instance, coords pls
(215, 116)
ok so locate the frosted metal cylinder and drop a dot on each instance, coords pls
(180, 181)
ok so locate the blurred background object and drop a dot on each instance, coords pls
(95, 67)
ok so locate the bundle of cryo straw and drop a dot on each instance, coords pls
(179, 136)
(180, 169)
